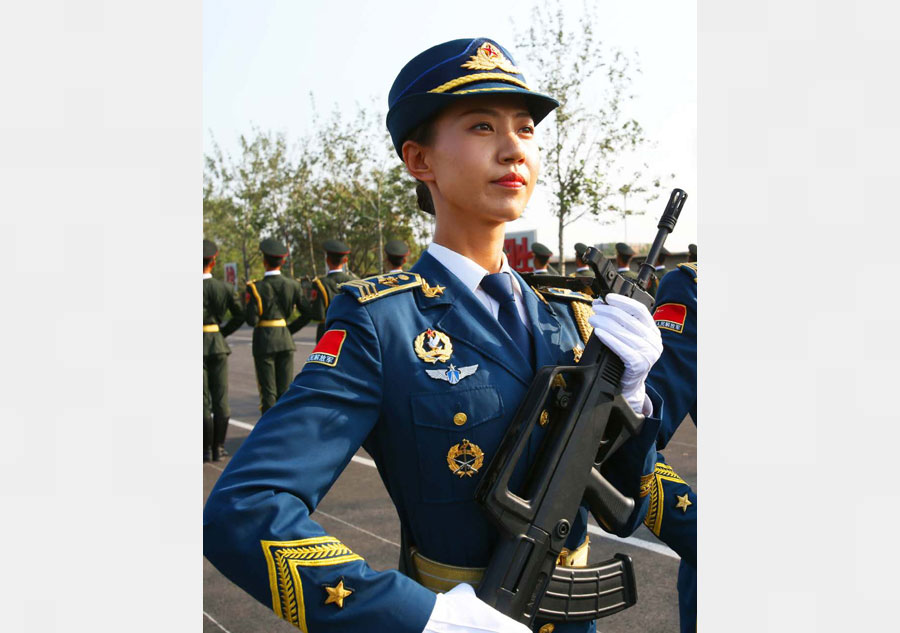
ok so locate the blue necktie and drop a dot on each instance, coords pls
(499, 287)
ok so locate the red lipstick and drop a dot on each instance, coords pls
(512, 180)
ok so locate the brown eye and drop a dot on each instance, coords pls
(483, 126)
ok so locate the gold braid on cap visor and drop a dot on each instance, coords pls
(467, 79)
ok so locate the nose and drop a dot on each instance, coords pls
(512, 152)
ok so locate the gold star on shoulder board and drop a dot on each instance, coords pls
(683, 502)
(337, 594)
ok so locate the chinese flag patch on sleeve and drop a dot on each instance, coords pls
(671, 316)
(328, 350)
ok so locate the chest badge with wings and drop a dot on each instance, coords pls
(452, 374)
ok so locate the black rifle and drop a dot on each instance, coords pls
(586, 420)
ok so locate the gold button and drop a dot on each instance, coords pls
(545, 417)
(547, 628)
(460, 418)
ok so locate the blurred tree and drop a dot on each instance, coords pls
(582, 139)
(637, 191)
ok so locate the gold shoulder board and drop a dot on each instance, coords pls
(690, 268)
(377, 286)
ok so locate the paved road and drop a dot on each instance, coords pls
(358, 511)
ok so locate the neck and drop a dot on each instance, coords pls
(481, 244)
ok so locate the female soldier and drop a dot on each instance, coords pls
(425, 370)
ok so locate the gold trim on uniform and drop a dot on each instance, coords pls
(324, 294)
(468, 79)
(545, 418)
(284, 558)
(465, 458)
(212, 327)
(252, 285)
(489, 57)
(547, 628)
(439, 346)
(439, 577)
(272, 323)
(662, 472)
(692, 266)
(577, 352)
(583, 312)
(577, 557)
(442, 578)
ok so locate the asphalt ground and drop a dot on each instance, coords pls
(358, 511)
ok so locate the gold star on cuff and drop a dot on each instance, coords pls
(337, 594)
(683, 502)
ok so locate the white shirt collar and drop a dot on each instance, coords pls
(580, 268)
(272, 272)
(660, 268)
(466, 270)
(207, 275)
(623, 269)
(540, 270)
(336, 270)
(396, 270)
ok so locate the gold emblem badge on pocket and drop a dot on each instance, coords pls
(433, 346)
(465, 458)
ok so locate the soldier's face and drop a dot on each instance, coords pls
(483, 160)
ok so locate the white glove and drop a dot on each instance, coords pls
(627, 328)
(460, 611)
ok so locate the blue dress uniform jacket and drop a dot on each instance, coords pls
(672, 514)
(366, 385)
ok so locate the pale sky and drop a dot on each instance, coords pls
(261, 59)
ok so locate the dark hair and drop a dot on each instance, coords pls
(396, 260)
(207, 260)
(273, 261)
(334, 259)
(540, 261)
(423, 134)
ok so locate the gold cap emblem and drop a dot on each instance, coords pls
(460, 418)
(433, 346)
(489, 57)
(464, 459)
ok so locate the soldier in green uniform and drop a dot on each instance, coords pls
(624, 253)
(325, 288)
(542, 256)
(582, 270)
(658, 271)
(270, 302)
(218, 299)
(395, 254)
(692, 252)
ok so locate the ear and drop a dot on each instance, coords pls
(416, 159)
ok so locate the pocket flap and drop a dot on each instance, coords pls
(438, 410)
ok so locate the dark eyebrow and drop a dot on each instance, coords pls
(492, 112)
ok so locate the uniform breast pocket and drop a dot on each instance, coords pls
(456, 436)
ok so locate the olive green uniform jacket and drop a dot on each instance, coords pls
(274, 298)
(324, 290)
(218, 299)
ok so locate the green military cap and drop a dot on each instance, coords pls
(272, 247)
(396, 248)
(624, 249)
(209, 249)
(335, 247)
(540, 250)
(692, 249)
(580, 248)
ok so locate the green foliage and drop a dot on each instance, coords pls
(582, 140)
(340, 181)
